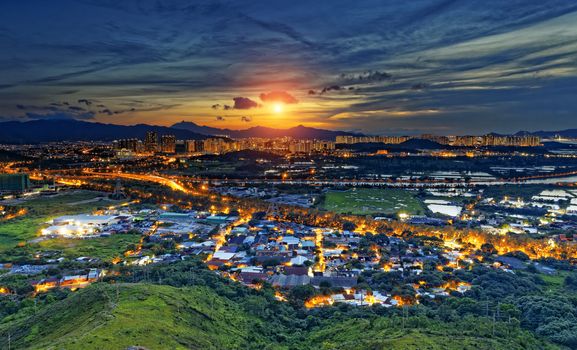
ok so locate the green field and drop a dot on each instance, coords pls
(42, 209)
(362, 201)
(19, 231)
(104, 248)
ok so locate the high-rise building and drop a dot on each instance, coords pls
(193, 146)
(180, 147)
(151, 141)
(371, 139)
(133, 145)
(14, 182)
(323, 146)
(168, 144)
(217, 145)
(465, 140)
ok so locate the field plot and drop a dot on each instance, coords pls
(105, 248)
(362, 201)
(16, 234)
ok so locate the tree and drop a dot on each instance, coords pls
(571, 281)
(302, 292)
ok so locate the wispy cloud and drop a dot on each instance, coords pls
(370, 65)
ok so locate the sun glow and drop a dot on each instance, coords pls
(277, 107)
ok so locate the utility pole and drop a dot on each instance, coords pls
(493, 331)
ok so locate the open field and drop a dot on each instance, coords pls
(514, 191)
(104, 248)
(362, 201)
(42, 209)
(555, 282)
(18, 231)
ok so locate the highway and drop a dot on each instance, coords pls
(177, 182)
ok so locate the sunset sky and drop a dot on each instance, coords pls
(380, 67)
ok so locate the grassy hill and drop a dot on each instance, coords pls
(421, 334)
(153, 316)
(118, 316)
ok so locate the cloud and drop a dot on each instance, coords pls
(85, 101)
(430, 54)
(244, 103)
(331, 88)
(220, 118)
(419, 86)
(50, 107)
(60, 116)
(246, 119)
(76, 109)
(278, 96)
(366, 77)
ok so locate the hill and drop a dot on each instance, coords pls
(568, 133)
(164, 317)
(197, 309)
(242, 155)
(422, 144)
(152, 316)
(407, 146)
(38, 131)
(298, 132)
(420, 333)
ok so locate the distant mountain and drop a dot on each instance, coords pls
(407, 146)
(38, 131)
(298, 132)
(421, 144)
(569, 133)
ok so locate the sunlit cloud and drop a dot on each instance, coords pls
(371, 66)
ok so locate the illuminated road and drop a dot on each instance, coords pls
(570, 177)
(176, 182)
(147, 178)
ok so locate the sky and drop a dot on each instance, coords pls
(374, 66)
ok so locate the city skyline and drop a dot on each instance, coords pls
(441, 67)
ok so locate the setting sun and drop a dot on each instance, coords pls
(277, 108)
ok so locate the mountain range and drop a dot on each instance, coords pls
(568, 133)
(38, 131)
(297, 132)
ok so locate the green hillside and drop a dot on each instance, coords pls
(153, 316)
(118, 316)
(421, 334)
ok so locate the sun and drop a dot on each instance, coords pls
(277, 107)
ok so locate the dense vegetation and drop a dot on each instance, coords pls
(185, 306)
